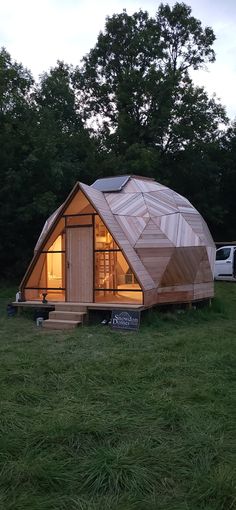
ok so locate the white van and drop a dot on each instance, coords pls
(225, 263)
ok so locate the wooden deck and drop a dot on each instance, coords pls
(89, 306)
(70, 315)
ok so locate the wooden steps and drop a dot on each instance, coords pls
(66, 316)
(59, 324)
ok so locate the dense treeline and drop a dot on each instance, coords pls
(130, 107)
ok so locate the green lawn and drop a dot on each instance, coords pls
(101, 420)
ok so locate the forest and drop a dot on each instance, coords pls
(129, 107)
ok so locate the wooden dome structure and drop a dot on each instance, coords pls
(125, 239)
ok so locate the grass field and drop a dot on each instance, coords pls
(101, 420)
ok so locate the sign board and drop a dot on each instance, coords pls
(125, 319)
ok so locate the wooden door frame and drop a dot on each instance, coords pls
(90, 225)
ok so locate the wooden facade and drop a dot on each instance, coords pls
(141, 243)
(80, 264)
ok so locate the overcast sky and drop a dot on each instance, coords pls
(38, 33)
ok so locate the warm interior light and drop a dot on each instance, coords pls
(54, 264)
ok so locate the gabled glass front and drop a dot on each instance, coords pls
(113, 279)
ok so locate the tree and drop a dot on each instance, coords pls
(63, 140)
(196, 173)
(136, 84)
(45, 150)
(227, 232)
(15, 126)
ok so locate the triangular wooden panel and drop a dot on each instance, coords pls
(169, 224)
(157, 220)
(178, 230)
(132, 226)
(165, 196)
(156, 206)
(183, 204)
(183, 266)
(136, 208)
(117, 201)
(146, 185)
(199, 226)
(204, 273)
(211, 252)
(187, 208)
(152, 236)
(129, 204)
(131, 187)
(195, 222)
(155, 260)
(186, 235)
(150, 228)
(160, 242)
(208, 239)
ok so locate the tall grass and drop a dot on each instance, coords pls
(99, 420)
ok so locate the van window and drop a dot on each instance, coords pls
(223, 253)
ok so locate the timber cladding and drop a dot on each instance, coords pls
(80, 264)
(166, 245)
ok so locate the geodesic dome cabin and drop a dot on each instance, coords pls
(125, 239)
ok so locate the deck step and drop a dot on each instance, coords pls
(68, 316)
(70, 307)
(61, 324)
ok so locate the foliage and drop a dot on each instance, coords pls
(16, 113)
(131, 107)
(46, 150)
(94, 419)
(228, 182)
(136, 81)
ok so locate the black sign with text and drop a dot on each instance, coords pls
(125, 319)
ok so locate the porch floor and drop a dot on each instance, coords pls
(90, 306)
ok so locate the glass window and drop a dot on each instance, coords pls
(113, 272)
(37, 277)
(125, 296)
(55, 264)
(223, 253)
(103, 238)
(114, 279)
(48, 275)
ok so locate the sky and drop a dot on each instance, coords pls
(38, 33)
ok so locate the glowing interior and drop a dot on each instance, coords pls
(49, 274)
(113, 279)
